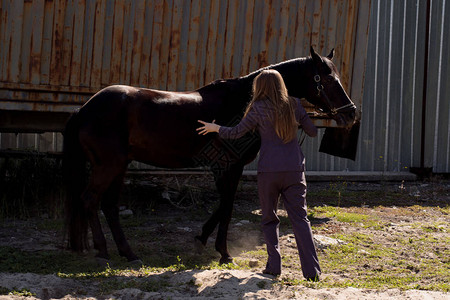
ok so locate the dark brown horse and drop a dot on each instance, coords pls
(122, 123)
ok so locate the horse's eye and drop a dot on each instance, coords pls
(329, 79)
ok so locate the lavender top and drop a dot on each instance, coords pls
(274, 155)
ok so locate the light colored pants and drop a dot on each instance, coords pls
(292, 188)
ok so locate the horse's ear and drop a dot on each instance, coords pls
(316, 57)
(330, 56)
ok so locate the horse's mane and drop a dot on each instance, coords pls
(248, 79)
(293, 61)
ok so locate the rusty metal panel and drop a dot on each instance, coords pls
(56, 53)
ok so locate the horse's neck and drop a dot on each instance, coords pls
(293, 71)
(232, 96)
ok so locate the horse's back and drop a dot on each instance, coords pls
(156, 127)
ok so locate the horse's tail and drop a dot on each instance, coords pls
(75, 178)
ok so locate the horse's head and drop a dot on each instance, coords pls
(325, 90)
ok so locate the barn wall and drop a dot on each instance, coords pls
(179, 45)
(55, 54)
(390, 137)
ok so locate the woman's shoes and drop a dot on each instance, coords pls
(265, 271)
(311, 279)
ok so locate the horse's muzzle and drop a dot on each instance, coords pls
(346, 119)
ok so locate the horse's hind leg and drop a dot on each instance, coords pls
(226, 182)
(110, 209)
(101, 179)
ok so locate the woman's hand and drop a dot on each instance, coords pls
(208, 127)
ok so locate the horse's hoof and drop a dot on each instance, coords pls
(199, 247)
(137, 263)
(103, 262)
(226, 260)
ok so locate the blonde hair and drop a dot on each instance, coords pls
(269, 86)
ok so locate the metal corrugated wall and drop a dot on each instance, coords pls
(160, 50)
(437, 142)
(54, 53)
(390, 138)
(73, 47)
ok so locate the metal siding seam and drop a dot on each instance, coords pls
(67, 41)
(4, 31)
(416, 33)
(360, 61)
(211, 42)
(339, 32)
(16, 41)
(183, 55)
(349, 44)
(388, 96)
(47, 33)
(86, 56)
(26, 34)
(124, 43)
(117, 41)
(156, 43)
(358, 71)
(238, 40)
(438, 91)
(447, 169)
(241, 28)
(165, 45)
(375, 91)
(446, 95)
(128, 45)
(203, 37)
(290, 30)
(221, 31)
(315, 29)
(298, 30)
(283, 31)
(332, 24)
(57, 42)
(144, 76)
(272, 30)
(77, 45)
(201, 44)
(323, 33)
(247, 38)
(256, 36)
(174, 46)
(262, 59)
(402, 74)
(36, 44)
(138, 34)
(107, 44)
(193, 46)
(229, 40)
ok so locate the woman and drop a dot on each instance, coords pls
(281, 166)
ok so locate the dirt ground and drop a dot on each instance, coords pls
(162, 224)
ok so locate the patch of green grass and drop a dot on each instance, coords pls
(16, 292)
(339, 214)
(401, 263)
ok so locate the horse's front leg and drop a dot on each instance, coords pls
(226, 182)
